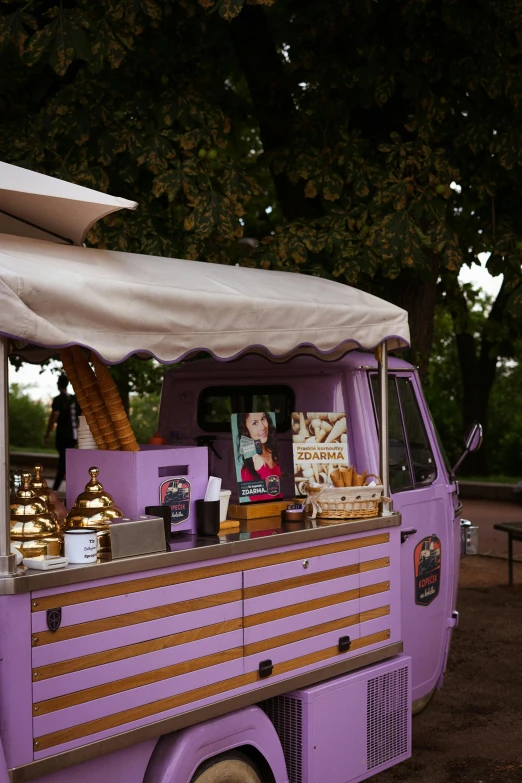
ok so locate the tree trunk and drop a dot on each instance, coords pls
(273, 103)
(416, 292)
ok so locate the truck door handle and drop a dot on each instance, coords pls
(406, 533)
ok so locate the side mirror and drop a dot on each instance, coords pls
(473, 437)
(472, 442)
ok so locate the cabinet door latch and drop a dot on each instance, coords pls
(265, 668)
(344, 644)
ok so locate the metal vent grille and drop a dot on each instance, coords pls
(387, 717)
(287, 716)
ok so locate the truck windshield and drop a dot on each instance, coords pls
(217, 403)
(412, 463)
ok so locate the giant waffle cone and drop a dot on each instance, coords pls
(95, 397)
(70, 370)
(115, 407)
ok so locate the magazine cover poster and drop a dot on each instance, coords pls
(256, 456)
(320, 445)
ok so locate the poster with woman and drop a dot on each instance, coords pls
(256, 456)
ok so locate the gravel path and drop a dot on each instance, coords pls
(472, 730)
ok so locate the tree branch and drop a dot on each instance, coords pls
(273, 104)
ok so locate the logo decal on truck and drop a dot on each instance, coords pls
(176, 493)
(427, 561)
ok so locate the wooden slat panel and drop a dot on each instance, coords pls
(298, 636)
(131, 618)
(312, 579)
(146, 678)
(382, 587)
(373, 565)
(306, 606)
(132, 650)
(42, 603)
(147, 710)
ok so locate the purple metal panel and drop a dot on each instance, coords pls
(132, 477)
(351, 727)
(3, 766)
(68, 683)
(299, 595)
(147, 599)
(305, 620)
(375, 552)
(277, 573)
(178, 756)
(127, 765)
(179, 710)
(110, 705)
(376, 576)
(15, 679)
(108, 640)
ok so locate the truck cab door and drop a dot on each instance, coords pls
(422, 493)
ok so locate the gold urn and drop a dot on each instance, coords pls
(49, 496)
(94, 508)
(34, 531)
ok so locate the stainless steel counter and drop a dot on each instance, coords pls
(253, 536)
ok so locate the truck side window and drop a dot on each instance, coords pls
(421, 454)
(216, 403)
(400, 475)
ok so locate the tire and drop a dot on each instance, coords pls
(228, 768)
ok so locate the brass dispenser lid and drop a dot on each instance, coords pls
(30, 519)
(94, 507)
(39, 484)
(94, 495)
(26, 502)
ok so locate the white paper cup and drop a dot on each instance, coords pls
(224, 500)
(81, 544)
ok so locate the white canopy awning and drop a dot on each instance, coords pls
(118, 304)
(40, 207)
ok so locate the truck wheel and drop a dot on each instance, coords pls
(228, 768)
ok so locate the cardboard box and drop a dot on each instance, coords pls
(176, 475)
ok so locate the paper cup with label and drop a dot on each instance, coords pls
(224, 498)
(81, 544)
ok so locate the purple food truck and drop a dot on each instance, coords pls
(275, 653)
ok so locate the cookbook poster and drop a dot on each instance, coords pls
(256, 456)
(320, 445)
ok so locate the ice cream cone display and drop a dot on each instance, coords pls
(115, 407)
(94, 508)
(71, 372)
(100, 401)
(95, 399)
(34, 531)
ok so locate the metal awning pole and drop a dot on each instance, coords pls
(384, 460)
(7, 560)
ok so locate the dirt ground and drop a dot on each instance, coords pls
(472, 730)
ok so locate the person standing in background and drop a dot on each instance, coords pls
(64, 415)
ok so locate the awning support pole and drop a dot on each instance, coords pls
(7, 560)
(384, 462)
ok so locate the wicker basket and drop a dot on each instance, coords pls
(345, 502)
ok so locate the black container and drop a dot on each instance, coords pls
(166, 513)
(207, 517)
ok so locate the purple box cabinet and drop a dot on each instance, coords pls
(135, 479)
(345, 730)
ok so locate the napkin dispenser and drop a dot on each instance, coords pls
(132, 537)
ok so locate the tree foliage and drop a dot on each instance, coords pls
(329, 132)
(27, 418)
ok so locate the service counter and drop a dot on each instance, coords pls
(103, 656)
